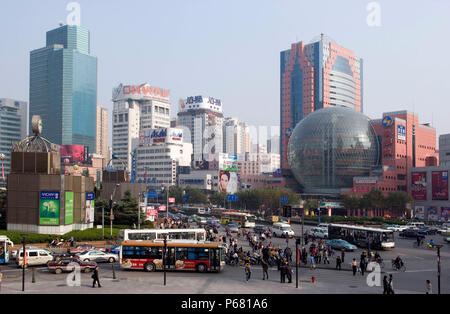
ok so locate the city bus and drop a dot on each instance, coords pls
(147, 255)
(243, 219)
(380, 239)
(157, 235)
(5, 243)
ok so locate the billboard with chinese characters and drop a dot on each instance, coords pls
(439, 185)
(401, 132)
(419, 186)
(49, 208)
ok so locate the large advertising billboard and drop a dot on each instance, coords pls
(228, 182)
(69, 208)
(162, 135)
(419, 186)
(90, 206)
(419, 212)
(439, 185)
(228, 162)
(74, 153)
(49, 208)
(445, 213)
(140, 92)
(432, 213)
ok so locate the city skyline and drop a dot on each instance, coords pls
(189, 59)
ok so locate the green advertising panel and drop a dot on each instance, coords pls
(69, 208)
(49, 208)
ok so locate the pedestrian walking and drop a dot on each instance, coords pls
(95, 277)
(354, 266)
(312, 262)
(283, 272)
(362, 265)
(288, 272)
(385, 285)
(391, 285)
(342, 255)
(427, 286)
(338, 262)
(265, 267)
(248, 272)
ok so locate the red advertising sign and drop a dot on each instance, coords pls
(171, 199)
(439, 185)
(77, 153)
(419, 186)
(162, 208)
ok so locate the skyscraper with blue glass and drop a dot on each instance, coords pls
(63, 87)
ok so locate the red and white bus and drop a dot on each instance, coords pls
(147, 255)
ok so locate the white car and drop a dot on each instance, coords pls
(98, 256)
(321, 233)
(280, 230)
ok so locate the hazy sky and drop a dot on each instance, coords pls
(230, 49)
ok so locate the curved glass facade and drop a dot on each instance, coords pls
(330, 147)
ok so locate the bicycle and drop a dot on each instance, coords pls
(396, 267)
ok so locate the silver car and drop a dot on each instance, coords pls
(98, 256)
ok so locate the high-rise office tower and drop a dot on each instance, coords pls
(136, 108)
(13, 128)
(236, 136)
(314, 76)
(63, 87)
(203, 118)
(102, 132)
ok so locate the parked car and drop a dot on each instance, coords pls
(85, 247)
(447, 239)
(339, 244)
(63, 265)
(34, 257)
(98, 256)
(321, 233)
(323, 225)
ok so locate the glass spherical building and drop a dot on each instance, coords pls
(331, 146)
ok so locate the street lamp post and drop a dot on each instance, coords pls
(103, 221)
(111, 214)
(164, 257)
(24, 260)
(439, 267)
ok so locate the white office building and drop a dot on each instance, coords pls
(136, 108)
(160, 153)
(236, 136)
(202, 117)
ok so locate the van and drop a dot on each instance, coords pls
(279, 230)
(35, 257)
(415, 225)
(321, 233)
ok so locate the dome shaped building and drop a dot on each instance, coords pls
(330, 147)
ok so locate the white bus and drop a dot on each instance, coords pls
(5, 243)
(157, 235)
(380, 239)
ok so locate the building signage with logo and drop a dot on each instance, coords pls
(419, 186)
(387, 121)
(158, 136)
(139, 92)
(49, 208)
(439, 184)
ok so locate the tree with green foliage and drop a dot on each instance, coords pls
(219, 198)
(126, 211)
(351, 202)
(373, 201)
(397, 201)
